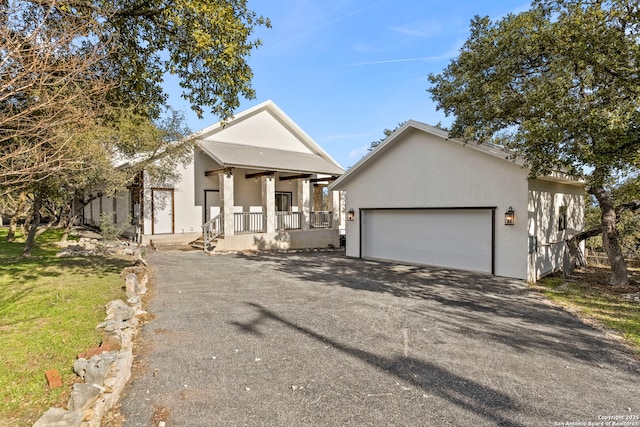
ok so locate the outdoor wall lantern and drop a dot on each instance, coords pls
(509, 217)
(351, 215)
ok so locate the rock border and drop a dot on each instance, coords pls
(105, 370)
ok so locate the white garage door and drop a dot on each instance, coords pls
(455, 238)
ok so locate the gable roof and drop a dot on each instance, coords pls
(482, 149)
(264, 137)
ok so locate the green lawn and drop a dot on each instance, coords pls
(591, 300)
(49, 308)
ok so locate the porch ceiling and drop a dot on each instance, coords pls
(247, 157)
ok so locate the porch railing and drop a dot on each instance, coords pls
(288, 221)
(212, 229)
(255, 222)
(248, 222)
(320, 219)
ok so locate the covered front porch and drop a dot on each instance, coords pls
(268, 210)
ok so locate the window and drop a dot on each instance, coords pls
(114, 208)
(283, 202)
(562, 218)
(533, 244)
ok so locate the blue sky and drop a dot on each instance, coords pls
(345, 70)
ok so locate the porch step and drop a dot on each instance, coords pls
(170, 241)
(199, 244)
(166, 246)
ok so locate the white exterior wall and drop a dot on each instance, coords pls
(123, 213)
(545, 200)
(187, 215)
(94, 212)
(203, 163)
(423, 170)
(261, 130)
(280, 240)
(107, 205)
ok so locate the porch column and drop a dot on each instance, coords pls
(334, 207)
(269, 202)
(304, 202)
(226, 201)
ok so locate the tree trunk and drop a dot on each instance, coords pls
(33, 227)
(13, 222)
(611, 237)
(13, 226)
(45, 228)
(576, 257)
(67, 229)
(64, 218)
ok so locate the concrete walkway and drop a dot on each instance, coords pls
(320, 339)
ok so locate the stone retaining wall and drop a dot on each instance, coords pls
(106, 369)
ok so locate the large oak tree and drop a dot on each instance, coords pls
(559, 85)
(81, 84)
(67, 66)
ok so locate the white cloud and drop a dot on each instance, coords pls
(334, 20)
(418, 59)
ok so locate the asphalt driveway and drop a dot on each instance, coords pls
(320, 339)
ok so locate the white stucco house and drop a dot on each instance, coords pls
(257, 182)
(422, 197)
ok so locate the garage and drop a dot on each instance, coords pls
(460, 238)
(425, 198)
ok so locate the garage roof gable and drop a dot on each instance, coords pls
(397, 136)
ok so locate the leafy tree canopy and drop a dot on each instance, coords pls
(204, 43)
(81, 86)
(72, 67)
(557, 84)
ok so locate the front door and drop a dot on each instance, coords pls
(162, 210)
(211, 204)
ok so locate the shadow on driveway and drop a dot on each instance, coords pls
(491, 308)
(464, 393)
(320, 339)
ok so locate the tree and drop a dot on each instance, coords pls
(69, 65)
(558, 85)
(14, 206)
(52, 91)
(204, 43)
(626, 195)
(81, 87)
